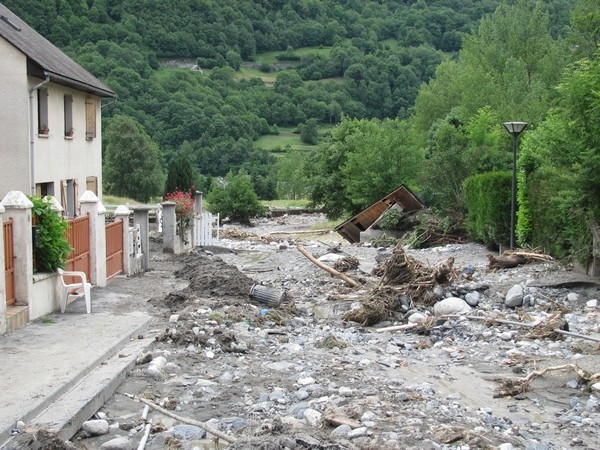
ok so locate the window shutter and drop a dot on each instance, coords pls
(75, 198)
(90, 118)
(63, 195)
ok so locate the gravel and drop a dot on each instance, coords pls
(297, 376)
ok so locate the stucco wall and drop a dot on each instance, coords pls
(58, 158)
(14, 120)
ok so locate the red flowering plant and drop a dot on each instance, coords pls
(184, 210)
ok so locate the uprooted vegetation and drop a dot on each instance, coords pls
(404, 282)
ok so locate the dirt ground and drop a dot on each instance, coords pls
(300, 374)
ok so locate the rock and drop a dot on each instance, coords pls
(96, 427)
(514, 296)
(232, 424)
(345, 391)
(306, 381)
(451, 305)
(592, 303)
(506, 446)
(313, 417)
(188, 432)
(341, 432)
(120, 443)
(472, 298)
(416, 318)
(358, 432)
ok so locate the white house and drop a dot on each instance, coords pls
(50, 115)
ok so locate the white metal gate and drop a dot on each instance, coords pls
(206, 229)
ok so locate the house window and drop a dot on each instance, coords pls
(43, 112)
(90, 118)
(68, 111)
(44, 189)
(91, 184)
(68, 197)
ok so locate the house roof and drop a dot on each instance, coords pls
(402, 196)
(46, 57)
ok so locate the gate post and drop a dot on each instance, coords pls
(18, 207)
(196, 224)
(2, 277)
(90, 205)
(122, 213)
(169, 227)
(141, 216)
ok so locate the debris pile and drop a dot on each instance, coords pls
(405, 282)
(457, 354)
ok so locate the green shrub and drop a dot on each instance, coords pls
(236, 199)
(51, 248)
(488, 201)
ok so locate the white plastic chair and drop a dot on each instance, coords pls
(72, 291)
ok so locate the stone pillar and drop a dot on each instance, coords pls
(18, 208)
(196, 221)
(2, 277)
(198, 203)
(169, 227)
(91, 205)
(122, 213)
(141, 217)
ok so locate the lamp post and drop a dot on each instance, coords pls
(515, 129)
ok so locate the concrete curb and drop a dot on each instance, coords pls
(65, 416)
(55, 360)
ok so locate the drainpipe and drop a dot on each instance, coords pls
(32, 133)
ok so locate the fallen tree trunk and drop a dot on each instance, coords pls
(325, 267)
(505, 262)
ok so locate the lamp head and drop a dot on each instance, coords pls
(515, 128)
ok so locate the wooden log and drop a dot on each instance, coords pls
(204, 426)
(407, 326)
(505, 262)
(325, 267)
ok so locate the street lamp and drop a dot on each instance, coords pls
(515, 129)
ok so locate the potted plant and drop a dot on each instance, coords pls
(70, 132)
(43, 130)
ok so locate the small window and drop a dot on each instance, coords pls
(43, 129)
(44, 189)
(68, 111)
(91, 184)
(90, 118)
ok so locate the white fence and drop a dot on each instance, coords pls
(206, 229)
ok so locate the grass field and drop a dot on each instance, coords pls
(286, 139)
(271, 57)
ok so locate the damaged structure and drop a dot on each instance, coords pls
(402, 199)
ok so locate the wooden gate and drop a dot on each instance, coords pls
(78, 236)
(9, 263)
(114, 248)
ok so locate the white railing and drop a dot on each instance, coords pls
(206, 229)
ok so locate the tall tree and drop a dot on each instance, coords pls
(132, 161)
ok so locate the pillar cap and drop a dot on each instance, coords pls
(122, 210)
(88, 197)
(142, 208)
(56, 207)
(16, 200)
